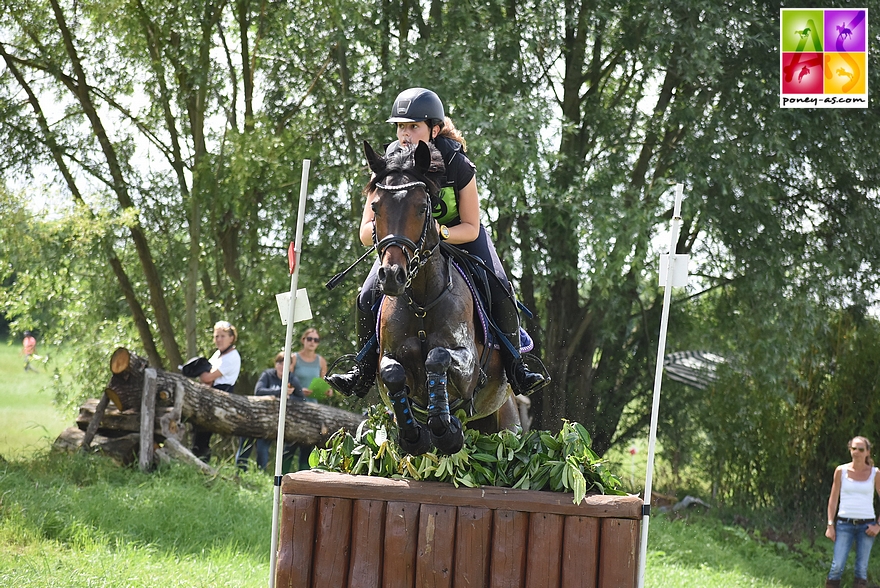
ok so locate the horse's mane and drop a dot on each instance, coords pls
(402, 159)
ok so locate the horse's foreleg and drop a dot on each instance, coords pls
(414, 438)
(446, 433)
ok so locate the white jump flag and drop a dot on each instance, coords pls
(294, 254)
(673, 273)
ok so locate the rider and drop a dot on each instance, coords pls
(419, 116)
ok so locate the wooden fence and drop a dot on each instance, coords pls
(357, 531)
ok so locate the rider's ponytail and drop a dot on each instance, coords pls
(447, 129)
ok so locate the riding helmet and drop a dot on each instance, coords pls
(415, 105)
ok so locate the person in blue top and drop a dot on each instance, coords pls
(419, 116)
(269, 384)
(851, 516)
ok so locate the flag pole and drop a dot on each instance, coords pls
(658, 376)
(293, 260)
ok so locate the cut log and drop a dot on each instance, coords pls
(228, 414)
(122, 450)
(113, 420)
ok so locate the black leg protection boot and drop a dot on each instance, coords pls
(360, 378)
(506, 317)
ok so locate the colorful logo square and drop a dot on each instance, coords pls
(823, 57)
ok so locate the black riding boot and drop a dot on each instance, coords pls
(360, 378)
(506, 317)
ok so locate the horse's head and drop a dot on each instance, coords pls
(405, 235)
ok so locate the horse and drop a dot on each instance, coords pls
(429, 351)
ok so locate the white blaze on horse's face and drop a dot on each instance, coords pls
(410, 133)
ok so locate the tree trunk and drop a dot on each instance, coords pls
(221, 412)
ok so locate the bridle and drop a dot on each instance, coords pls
(420, 255)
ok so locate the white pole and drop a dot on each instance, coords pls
(282, 412)
(658, 376)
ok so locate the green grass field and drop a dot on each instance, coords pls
(29, 422)
(78, 520)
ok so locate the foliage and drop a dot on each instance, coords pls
(536, 460)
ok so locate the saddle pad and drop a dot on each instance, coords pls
(525, 340)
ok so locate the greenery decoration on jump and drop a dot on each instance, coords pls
(536, 460)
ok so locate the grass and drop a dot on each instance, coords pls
(79, 520)
(29, 422)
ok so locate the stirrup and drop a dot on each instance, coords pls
(530, 362)
(362, 383)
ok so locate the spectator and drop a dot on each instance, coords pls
(225, 366)
(269, 384)
(310, 369)
(851, 517)
(28, 349)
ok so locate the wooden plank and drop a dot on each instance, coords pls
(473, 547)
(296, 541)
(367, 533)
(401, 545)
(509, 542)
(580, 552)
(332, 543)
(544, 558)
(618, 553)
(436, 551)
(148, 412)
(316, 483)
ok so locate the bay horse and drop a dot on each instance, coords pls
(429, 351)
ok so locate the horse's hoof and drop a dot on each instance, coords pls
(438, 361)
(452, 440)
(420, 444)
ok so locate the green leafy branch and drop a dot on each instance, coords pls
(537, 460)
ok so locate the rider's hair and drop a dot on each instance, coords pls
(447, 129)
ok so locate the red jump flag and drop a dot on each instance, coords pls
(291, 258)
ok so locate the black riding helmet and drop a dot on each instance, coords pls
(416, 105)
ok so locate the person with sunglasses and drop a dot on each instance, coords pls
(851, 517)
(306, 365)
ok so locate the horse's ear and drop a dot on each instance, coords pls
(423, 157)
(374, 160)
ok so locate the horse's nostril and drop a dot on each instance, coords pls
(381, 274)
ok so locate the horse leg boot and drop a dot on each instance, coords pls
(359, 379)
(446, 433)
(506, 317)
(413, 438)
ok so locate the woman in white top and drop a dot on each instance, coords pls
(225, 367)
(851, 517)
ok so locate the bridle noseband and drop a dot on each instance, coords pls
(420, 255)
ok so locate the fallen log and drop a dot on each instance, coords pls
(221, 412)
(122, 450)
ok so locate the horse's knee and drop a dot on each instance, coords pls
(438, 361)
(392, 374)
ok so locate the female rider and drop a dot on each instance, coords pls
(419, 116)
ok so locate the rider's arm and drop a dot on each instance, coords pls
(469, 213)
(366, 231)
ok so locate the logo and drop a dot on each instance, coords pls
(403, 106)
(823, 58)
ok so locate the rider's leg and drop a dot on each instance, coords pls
(360, 378)
(505, 313)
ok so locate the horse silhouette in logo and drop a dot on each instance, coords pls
(844, 73)
(804, 72)
(805, 32)
(843, 32)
